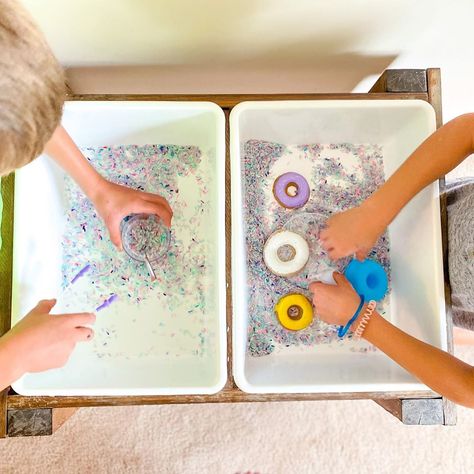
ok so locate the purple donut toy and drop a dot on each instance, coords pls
(291, 190)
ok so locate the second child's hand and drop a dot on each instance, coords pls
(354, 231)
(441, 371)
(357, 230)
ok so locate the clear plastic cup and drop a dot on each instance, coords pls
(145, 239)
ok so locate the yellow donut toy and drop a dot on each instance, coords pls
(294, 311)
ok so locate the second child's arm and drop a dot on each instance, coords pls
(112, 201)
(357, 230)
(439, 370)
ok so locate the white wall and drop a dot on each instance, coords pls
(259, 45)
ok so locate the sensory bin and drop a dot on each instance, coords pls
(166, 336)
(344, 150)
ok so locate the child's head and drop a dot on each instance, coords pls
(32, 88)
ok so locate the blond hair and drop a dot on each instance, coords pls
(32, 88)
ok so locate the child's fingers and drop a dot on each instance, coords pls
(326, 244)
(159, 200)
(79, 319)
(314, 286)
(166, 205)
(361, 255)
(45, 306)
(115, 235)
(324, 234)
(157, 209)
(339, 251)
(339, 278)
(83, 334)
(332, 248)
(317, 288)
(334, 254)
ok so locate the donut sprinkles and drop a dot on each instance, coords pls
(340, 175)
(291, 190)
(285, 253)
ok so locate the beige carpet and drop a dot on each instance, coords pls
(296, 437)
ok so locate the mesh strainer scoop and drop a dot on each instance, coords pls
(145, 239)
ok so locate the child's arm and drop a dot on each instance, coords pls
(442, 372)
(112, 201)
(357, 230)
(41, 341)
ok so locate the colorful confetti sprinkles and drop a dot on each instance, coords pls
(184, 286)
(145, 236)
(340, 176)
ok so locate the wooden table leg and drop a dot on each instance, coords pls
(30, 422)
(36, 421)
(429, 411)
(401, 80)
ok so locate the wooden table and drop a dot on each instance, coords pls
(34, 416)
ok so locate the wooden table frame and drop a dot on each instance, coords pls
(40, 415)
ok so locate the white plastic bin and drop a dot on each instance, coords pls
(39, 221)
(417, 297)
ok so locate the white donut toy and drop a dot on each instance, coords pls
(285, 253)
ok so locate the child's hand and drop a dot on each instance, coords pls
(335, 304)
(353, 231)
(114, 202)
(41, 341)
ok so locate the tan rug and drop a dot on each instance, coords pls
(294, 437)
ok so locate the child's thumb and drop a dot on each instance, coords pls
(361, 255)
(115, 237)
(314, 285)
(339, 278)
